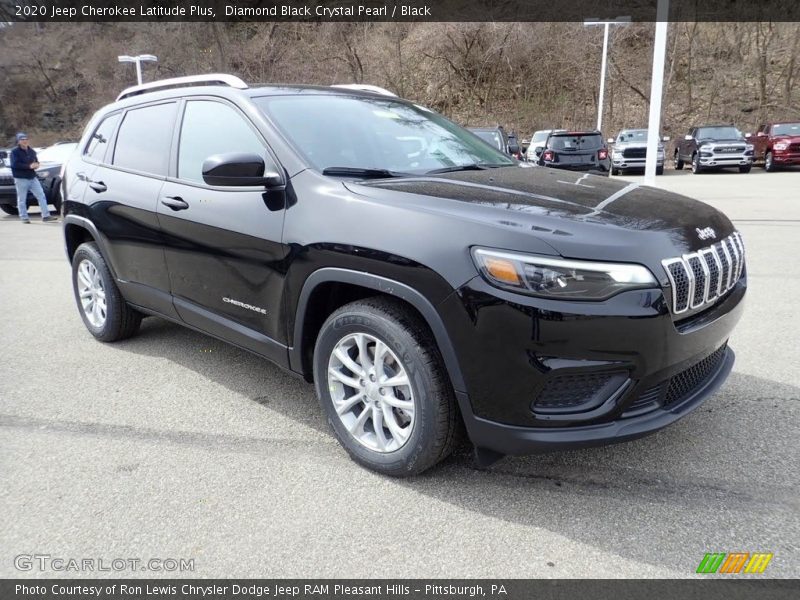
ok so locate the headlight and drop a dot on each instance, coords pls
(748, 147)
(781, 146)
(43, 174)
(558, 278)
(616, 154)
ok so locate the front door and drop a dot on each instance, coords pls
(223, 244)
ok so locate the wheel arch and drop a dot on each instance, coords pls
(79, 230)
(359, 284)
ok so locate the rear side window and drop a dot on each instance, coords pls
(211, 128)
(98, 143)
(144, 139)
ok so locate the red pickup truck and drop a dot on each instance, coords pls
(777, 145)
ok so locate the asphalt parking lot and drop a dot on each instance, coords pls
(173, 444)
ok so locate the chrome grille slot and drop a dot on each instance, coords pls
(700, 278)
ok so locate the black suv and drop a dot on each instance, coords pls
(422, 287)
(576, 151)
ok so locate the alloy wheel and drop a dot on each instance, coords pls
(92, 293)
(371, 392)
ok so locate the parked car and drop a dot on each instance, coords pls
(50, 161)
(497, 137)
(714, 147)
(536, 144)
(418, 290)
(777, 145)
(576, 151)
(629, 151)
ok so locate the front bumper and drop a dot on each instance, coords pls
(785, 157)
(511, 351)
(634, 163)
(723, 160)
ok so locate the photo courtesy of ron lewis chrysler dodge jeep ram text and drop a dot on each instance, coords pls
(429, 285)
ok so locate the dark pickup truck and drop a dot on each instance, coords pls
(777, 145)
(712, 147)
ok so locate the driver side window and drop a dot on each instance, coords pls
(210, 128)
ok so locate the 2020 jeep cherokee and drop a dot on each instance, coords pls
(420, 278)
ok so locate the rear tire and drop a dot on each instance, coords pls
(678, 162)
(103, 309)
(373, 426)
(9, 209)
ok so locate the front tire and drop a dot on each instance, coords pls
(745, 168)
(100, 303)
(696, 168)
(9, 209)
(678, 162)
(769, 164)
(380, 380)
(615, 171)
(660, 170)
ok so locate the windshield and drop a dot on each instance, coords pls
(540, 136)
(374, 133)
(576, 142)
(58, 153)
(719, 133)
(632, 135)
(786, 129)
(493, 137)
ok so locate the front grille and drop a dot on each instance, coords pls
(728, 149)
(6, 181)
(634, 152)
(794, 147)
(699, 278)
(687, 381)
(577, 392)
(679, 387)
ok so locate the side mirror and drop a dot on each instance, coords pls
(687, 137)
(665, 138)
(760, 134)
(238, 169)
(610, 140)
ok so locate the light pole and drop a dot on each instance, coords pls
(656, 92)
(605, 23)
(138, 60)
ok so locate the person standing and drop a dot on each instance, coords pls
(24, 163)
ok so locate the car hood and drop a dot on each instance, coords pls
(578, 215)
(790, 139)
(618, 145)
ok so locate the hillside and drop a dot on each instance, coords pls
(524, 75)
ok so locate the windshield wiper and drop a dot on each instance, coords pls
(360, 172)
(470, 167)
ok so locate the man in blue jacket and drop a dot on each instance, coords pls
(24, 163)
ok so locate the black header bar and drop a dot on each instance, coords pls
(394, 10)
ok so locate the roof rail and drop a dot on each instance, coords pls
(210, 79)
(364, 87)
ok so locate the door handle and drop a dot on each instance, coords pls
(175, 202)
(98, 186)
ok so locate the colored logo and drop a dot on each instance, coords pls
(734, 562)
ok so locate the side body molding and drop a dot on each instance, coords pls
(385, 286)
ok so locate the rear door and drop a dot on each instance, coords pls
(223, 244)
(122, 196)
